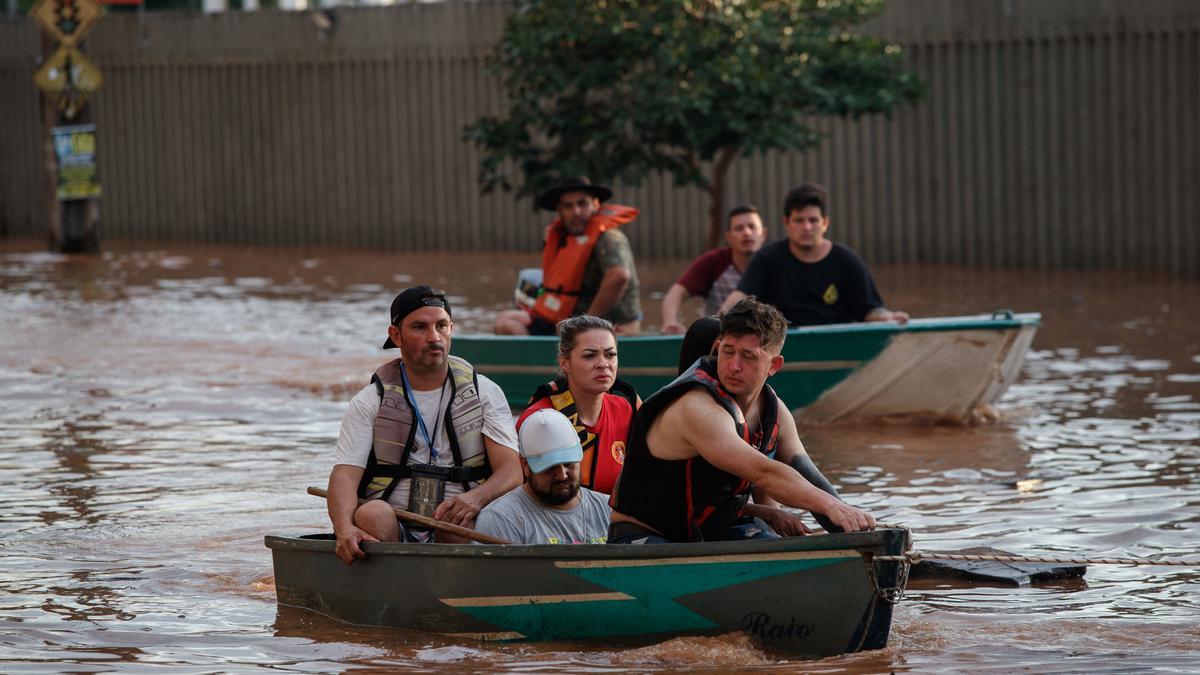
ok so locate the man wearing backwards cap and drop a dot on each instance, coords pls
(461, 441)
(551, 508)
(587, 265)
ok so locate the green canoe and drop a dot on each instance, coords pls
(944, 367)
(819, 595)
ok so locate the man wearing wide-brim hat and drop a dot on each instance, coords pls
(587, 264)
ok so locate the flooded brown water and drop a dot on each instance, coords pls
(161, 409)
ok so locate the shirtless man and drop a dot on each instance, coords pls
(689, 472)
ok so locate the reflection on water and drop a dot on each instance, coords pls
(161, 410)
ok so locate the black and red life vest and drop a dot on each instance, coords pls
(690, 499)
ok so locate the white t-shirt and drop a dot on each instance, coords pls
(358, 425)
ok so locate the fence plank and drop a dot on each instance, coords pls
(1063, 120)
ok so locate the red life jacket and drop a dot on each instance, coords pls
(565, 257)
(604, 443)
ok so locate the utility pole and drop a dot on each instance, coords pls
(71, 188)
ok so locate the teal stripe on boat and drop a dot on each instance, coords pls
(651, 607)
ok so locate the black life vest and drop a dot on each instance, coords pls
(394, 436)
(690, 499)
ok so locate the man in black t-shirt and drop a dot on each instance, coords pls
(809, 278)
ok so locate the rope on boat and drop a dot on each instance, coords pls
(916, 556)
(894, 593)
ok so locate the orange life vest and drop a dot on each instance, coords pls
(565, 257)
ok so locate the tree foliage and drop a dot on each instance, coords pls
(617, 89)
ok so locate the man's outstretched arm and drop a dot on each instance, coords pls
(791, 452)
(674, 297)
(711, 432)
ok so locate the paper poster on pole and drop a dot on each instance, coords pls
(75, 148)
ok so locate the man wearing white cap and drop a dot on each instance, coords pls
(551, 507)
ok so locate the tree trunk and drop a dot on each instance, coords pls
(716, 195)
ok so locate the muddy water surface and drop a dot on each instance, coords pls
(161, 409)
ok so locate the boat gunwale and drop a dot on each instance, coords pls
(967, 322)
(877, 539)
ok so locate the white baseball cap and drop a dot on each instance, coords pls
(548, 439)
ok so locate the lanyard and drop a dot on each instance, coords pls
(412, 403)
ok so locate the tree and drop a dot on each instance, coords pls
(616, 89)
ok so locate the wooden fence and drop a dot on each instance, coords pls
(1056, 133)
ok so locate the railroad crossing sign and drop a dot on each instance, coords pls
(70, 79)
(67, 21)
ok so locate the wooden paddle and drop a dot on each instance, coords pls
(432, 523)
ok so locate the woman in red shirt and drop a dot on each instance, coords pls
(590, 395)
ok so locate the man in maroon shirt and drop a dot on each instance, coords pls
(716, 273)
(809, 278)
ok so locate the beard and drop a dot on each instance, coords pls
(558, 493)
